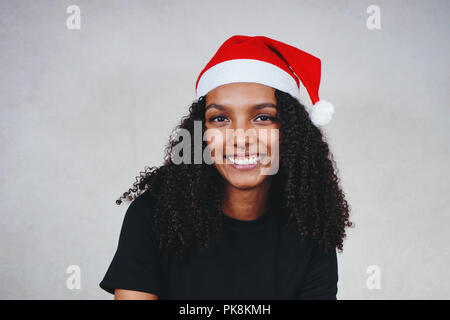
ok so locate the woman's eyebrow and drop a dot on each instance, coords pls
(257, 106)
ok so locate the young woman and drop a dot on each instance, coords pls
(260, 213)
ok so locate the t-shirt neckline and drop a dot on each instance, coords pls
(246, 223)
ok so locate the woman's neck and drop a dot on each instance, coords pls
(247, 204)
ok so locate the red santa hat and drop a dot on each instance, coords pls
(270, 62)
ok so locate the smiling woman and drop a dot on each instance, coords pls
(232, 229)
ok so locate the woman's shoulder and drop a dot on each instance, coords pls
(141, 208)
(143, 200)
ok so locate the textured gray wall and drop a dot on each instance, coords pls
(83, 111)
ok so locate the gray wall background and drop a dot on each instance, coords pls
(83, 111)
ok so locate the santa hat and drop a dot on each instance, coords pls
(270, 62)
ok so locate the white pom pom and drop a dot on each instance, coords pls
(321, 113)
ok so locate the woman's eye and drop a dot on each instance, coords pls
(219, 118)
(265, 118)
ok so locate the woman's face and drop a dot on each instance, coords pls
(242, 132)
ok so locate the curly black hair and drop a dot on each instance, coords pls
(305, 190)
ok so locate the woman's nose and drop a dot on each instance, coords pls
(242, 135)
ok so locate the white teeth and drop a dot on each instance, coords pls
(244, 160)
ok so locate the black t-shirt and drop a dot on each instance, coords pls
(257, 259)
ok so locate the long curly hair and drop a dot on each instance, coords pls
(186, 211)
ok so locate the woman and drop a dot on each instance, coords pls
(253, 211)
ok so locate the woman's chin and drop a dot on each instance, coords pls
(241, 179)
(245, 182)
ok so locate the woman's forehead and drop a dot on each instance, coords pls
(241, 94)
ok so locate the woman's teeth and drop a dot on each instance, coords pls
(244, 160)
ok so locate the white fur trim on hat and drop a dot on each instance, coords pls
(247, 70)
(321, 113)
